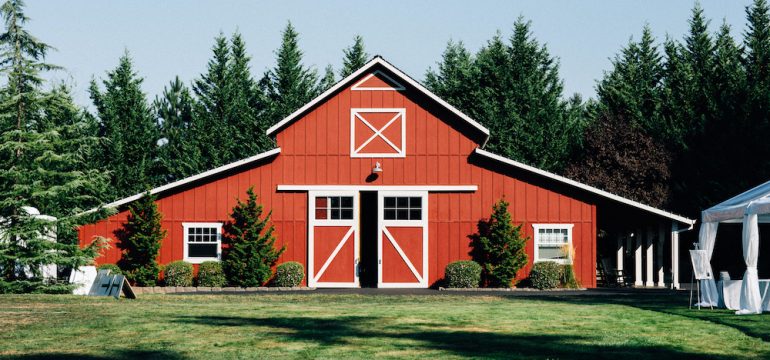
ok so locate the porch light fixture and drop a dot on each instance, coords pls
(377, 168)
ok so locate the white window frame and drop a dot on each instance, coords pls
(198, 260)
(399, 152)
(538, 227)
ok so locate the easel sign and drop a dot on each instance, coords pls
(111, 285)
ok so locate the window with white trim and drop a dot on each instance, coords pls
(334, 207)
(552, 242)
(202, 242)
(403, 208)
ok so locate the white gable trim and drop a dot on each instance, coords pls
(585, 187)
(402, 76)
(397, 87)
(193, 178)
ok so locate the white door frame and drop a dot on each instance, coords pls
(312, 278)
(382, 224)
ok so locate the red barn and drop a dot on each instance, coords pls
(378, 182)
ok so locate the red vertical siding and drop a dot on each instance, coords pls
(315, 150)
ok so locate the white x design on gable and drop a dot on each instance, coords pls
(396, 145)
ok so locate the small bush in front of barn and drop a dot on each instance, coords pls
(463, 274)
(210, 274)
(178, 273)
(114, 269)
(289, 274)
(545, 275)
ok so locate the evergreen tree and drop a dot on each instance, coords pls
(499, 247)
(140, 240)
(43, 167)
(327, 80)
(210, 109)
(515, 91)
(631, 91)
(455, 79)
(757, 65)
(289, 85)
(179, 155)
(250, 253)
(127, 123)
(355, 57)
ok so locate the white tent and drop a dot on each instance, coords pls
(750, 208)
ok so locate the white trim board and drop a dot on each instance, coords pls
(585, 187)
(193, 178)
(428, 188)
(377, 60)
(397, 85)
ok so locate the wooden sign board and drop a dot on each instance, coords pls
(111, 285)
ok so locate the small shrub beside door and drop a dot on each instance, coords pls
(463, 274)
(289, 274)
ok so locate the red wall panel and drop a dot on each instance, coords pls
(315, 150)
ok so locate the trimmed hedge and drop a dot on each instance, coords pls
(210, 274)
(289, 274)
(463, 274)
(545, 275)
(178, 273)
(114, 269)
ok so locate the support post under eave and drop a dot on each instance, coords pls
(659, 262)
(674, 255)
(638, 258)
(649, 254)
(620, 254)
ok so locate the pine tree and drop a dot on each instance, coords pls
(289, 85)
(250, 253)
(210, 126)
(43, 167)
(140, 240)
(328, 80)
(127, 124)
(179, 155)
(455, 79)
(499, 247)
(757, 65)
(355, 57)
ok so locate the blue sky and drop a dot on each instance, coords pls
(169, 38)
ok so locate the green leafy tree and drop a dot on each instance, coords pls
(178, 155)
(328, 80)
(499, 247)
(210, 126)
(250, 253)
(289, 85)
(140, 240)
(129, 128)
(355, 57)
(43, 167)
(456, 77)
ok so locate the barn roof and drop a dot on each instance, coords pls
(588, 188)
(376, 61)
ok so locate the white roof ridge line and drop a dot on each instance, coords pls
(585, 187)
(190, 179)
(377, 60)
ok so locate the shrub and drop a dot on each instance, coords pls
(463, 274)
(289, 274)
(210, 274)
(251, 253)
(114, 269)
(568, 278)
(545, 275)
(499, 247)
(178, 273)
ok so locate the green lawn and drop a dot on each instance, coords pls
(362, 326)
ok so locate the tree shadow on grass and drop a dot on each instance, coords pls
(346, 330)
(120, 355)
(671, 303)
